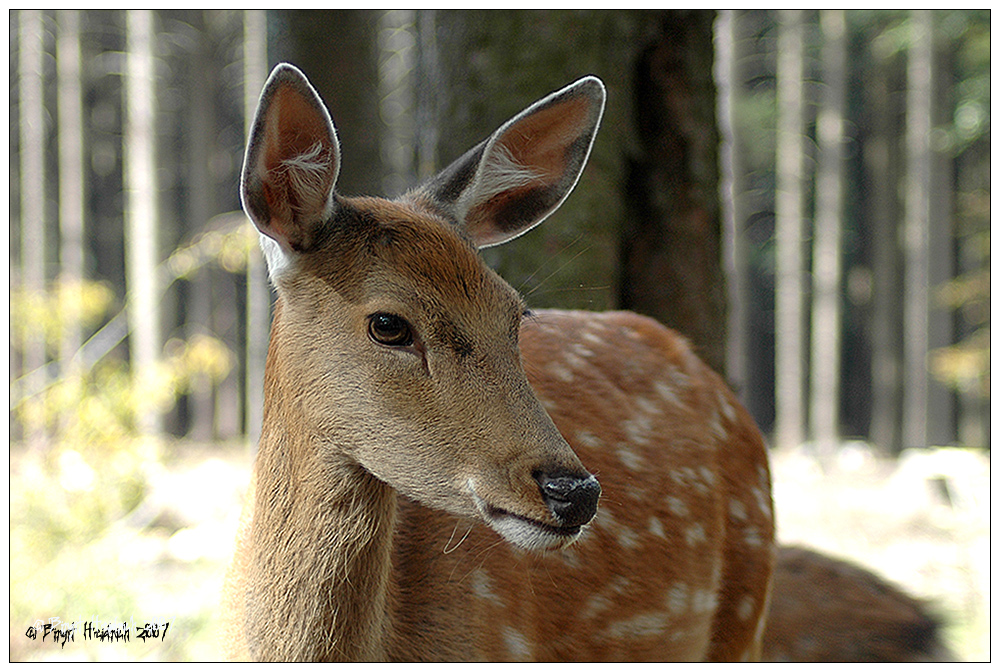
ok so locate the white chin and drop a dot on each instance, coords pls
(529, 535)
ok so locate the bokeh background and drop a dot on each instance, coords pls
(806, 195)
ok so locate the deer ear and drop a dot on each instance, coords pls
(524, 171)
(291, 163)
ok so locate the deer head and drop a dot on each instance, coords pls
(394, 349)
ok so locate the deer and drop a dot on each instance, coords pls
(446, 474)
(826, 609)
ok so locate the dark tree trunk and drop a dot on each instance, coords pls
(337, 50)
(671, 240)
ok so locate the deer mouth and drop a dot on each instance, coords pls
(522, 531)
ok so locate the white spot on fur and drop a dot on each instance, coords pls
(575, 362)
(728, 410)
(560, 372)
(695, 535)
(677, 598)
(643, 625)
(482, 587)
(680, 379)
(744, 610)
(517, 644)
(646, 407)
(636, 494)
(595, 604)
(668, 394)
(715, 425)
(737, 510)
(704, 600)
(571, 557)
(678, 507)
(587, 439)
(638, 429)
(604, 600)
(626, 536)
(629, 458)
(689, 478)
(763, 501)
(619, 585)
(656, 527)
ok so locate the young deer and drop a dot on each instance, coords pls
(416, 495)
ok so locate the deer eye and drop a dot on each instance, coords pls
(389, 329)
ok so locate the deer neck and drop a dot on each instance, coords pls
(320, 574)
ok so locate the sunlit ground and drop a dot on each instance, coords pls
(165, 560)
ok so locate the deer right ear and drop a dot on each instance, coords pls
(524, 171)
(291, 163)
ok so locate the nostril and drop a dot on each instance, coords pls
(572, 499)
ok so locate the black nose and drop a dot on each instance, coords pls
(572, 499)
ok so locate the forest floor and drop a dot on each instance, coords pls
(921, 522)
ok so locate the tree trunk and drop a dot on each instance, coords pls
(917, 224)
(826, 323)
(397, 56)
(941, 262)
(733, 207)
(31, 126)
(672, 240)
(337, 49)
(71, 171)
(141, 212)
(789, 342)
(258, 300)
(883, 158)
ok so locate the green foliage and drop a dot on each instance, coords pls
(95, 408)
(965, 366)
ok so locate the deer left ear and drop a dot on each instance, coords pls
(291, 162)
(524, 171)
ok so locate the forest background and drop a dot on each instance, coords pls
(805, 195)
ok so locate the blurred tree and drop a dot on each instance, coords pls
(879, 212)
(142, 208)
(255, 68)
(926, 405)
(729, 51)
(671, 253)
(789, 337)
(71, 170)
(337, 49)
(824, 416)
(32, 196)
